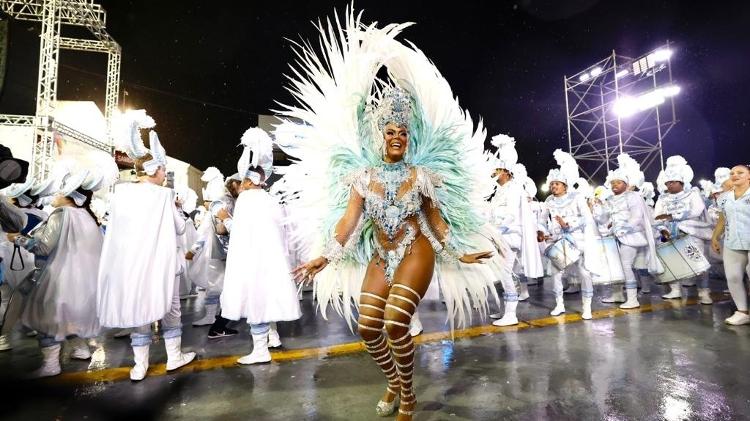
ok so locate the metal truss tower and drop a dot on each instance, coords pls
(620, 104)
(54, 14)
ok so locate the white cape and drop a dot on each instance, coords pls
(257, 283)
(63, 302)
(138, 265)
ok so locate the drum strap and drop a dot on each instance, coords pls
(17, 252)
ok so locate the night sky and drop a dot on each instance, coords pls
(205, 69)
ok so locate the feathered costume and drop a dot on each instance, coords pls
(338, 92)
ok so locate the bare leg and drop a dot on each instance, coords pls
(372, 303)
(410, 283)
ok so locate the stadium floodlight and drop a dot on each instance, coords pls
(628, 105)
(621, 104)
(662, 54)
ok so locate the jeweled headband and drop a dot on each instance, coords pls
(394, 107)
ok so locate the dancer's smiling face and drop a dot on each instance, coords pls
(558, 188)
(740, 176)
(396, 140)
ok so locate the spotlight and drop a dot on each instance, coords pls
(621, 73)
(627, 105)
(596, 71)
(544, 187)
(662, 54)
(584, 77)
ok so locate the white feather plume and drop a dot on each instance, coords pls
(127, 132)
(568, 166)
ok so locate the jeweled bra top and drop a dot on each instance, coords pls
(389, 211)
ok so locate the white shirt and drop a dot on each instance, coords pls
(737, 220)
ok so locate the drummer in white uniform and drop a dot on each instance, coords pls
(681, 210)
(515, 221)
(566, 222)
(625, 215)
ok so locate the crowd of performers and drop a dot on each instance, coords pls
(390, 199)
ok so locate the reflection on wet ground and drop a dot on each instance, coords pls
(667, 360)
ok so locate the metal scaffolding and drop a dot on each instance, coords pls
(597, 133)
(53, 14)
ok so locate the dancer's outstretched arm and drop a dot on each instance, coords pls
(335, 247)
(441, 229)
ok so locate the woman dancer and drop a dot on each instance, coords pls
(734, 224)
(382, 177)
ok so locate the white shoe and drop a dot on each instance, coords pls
(496, 316)
(175, 357)
(140, 356)
(523, 293)
(5, 343)
(632, 301)
(260, 352)
(274, 341)
(704, 294)
(615, 297)
(738, 319)
(209, 318)
(559, 308)
(50, 363)
(586, 314)
(675, 291)
(415, 327)
(509, 318)
(81, 349)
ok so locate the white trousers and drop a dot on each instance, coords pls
(627, 258)
(735, 267)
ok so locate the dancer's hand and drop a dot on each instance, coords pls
(476, 257)
(561, 222)
(716, 245)
(222, 214)
(306, 272)
(12, 236)
(539, 236)
(664, 217)
(189, 255)
(667, 236)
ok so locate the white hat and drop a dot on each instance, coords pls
(677, 169)
(188, 197)
(257, 152)
(19, 192)
(629, 171)
(102, 174)
(127, 128)
(158, 154)
(506, 155)
(568, 171)
(70, 184)
(583, 187)
(530, 187)
(214, 189)
(648, 193)
(721, 175)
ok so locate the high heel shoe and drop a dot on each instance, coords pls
(386, 409)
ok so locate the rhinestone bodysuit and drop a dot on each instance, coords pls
(389, 212)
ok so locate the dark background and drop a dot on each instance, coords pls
(205, 69)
